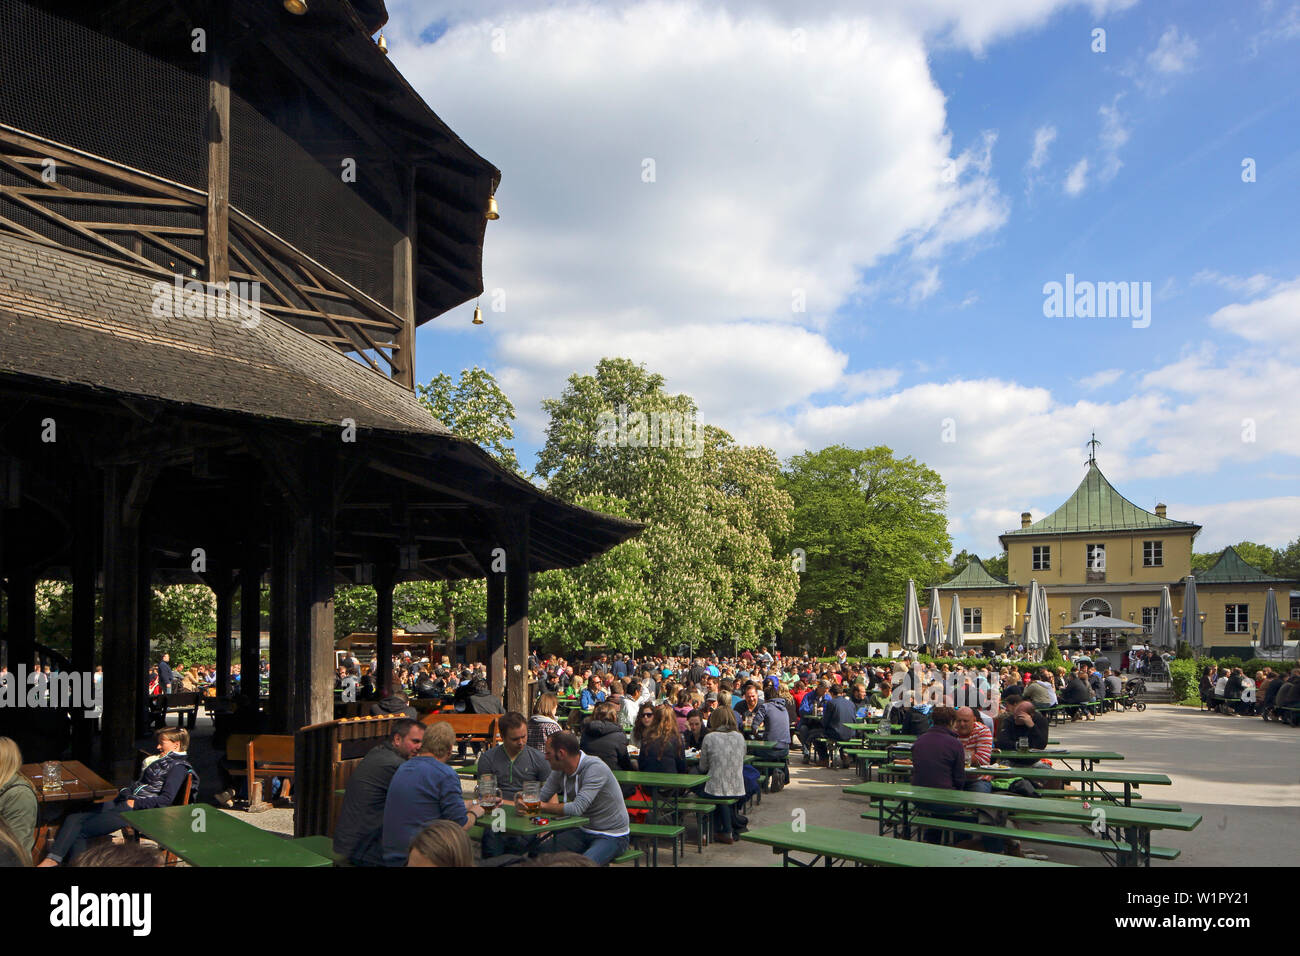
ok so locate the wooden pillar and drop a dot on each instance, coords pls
(314, 556)
(22, 610)
(217, 221)
(223, 586)
(143, 629)
(404, 287)
(86, 515)
(517, 580)
(121, 595)
(496, 626)
(283, 660)
(250, 623)
(384, 627)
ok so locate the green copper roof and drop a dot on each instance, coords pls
(1231, 568)
(1097, 506)
(974, 576)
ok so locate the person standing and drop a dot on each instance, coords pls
(165, 674)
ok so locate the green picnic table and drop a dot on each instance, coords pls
(669, 785)
(1137, 823)
(1086, 758)
(1129, 779)
(512, 823)
(865, 849)
(220, 839)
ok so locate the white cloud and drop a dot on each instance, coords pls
(926, 286)
(1173, 54)
(1270, 521)
(1112, 137)
(1241, 285)
(1101, 379)
(1043, 138)
(1273, 320)
(1077, 179)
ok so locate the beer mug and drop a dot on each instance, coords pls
(51, 776)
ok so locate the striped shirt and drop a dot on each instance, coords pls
(979, 745)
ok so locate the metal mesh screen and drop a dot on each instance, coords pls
(66, 83)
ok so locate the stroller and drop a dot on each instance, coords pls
(1132, 698)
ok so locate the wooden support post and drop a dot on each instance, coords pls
(314, 556)
(384, 627)
(496, 626)
(216, 225)
(404, 287)
(283, 659)
(121, 669)
(143, 628)
(223, 587)
(22, 611)
(250, 621)
(517, 580)
(86, 516)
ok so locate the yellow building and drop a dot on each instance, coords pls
(1099, 554)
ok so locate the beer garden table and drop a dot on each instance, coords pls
(80, 783)
(220, 840)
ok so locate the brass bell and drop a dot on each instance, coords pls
(382, 44)
(492, 212)
(296, 7)
(478, 316)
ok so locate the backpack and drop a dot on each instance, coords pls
(752, 781)
(914, 722)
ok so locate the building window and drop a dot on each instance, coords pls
(1153, 554)
(1295, 610)
(1042, 557)
(1096, 557)
(972, 620)
(1149, 616)
(1234, 619)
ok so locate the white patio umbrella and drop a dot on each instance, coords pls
(1270, 636)
(934, 629)
(1162, 635)
(912, 634)
(956, 627)
(1193, 633)
(1044, 620)
(1034, 638)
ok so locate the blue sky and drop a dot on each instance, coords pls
(918, 173)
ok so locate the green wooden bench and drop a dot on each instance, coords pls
(1289, 714)
(628, 856)
(1109, 849)
(321, 846)
(654, 832)
(864, 849)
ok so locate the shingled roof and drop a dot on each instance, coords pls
(69, 319)
(1097, 506)
(1231, 568)
(974, 576)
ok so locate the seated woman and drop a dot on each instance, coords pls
(722, 757)
(661, 744)
(160, 785)
(695, 730)
(18, 805)
(543, 723)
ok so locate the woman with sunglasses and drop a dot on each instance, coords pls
(644, 718)
(662, 750)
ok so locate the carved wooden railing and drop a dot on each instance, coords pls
(131, 218)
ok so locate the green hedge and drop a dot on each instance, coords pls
(1186, 677)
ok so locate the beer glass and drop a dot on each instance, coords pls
(51, 776)
(530, 797)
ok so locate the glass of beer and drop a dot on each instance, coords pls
(51, 776)
(530, 797)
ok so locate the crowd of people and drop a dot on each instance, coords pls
(1237, 694)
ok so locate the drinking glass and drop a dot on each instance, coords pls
(51, 776)
(530, 797)
(1022, 743)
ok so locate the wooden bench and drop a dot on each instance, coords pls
(864, 849)
(184, 704)
(263, 756)
(478, 729)
(1109, 849)
(654, 832)
(1289, 714)
(321, 846)
(628, 856)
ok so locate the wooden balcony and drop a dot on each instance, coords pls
(54, 194)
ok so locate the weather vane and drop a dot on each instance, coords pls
(1092, 449)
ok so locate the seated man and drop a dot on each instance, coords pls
(1023, 722)
(1076, 691)
(424, 789)
(513, 763)
(358, 834)
(1114, 686)
(749, 711)
(939, 761)
(977, 740)
(587, 788)
(1040, 691)
(835, 715)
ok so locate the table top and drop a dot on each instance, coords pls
(516, 825)
(222, 841)
(668, 781)
(1043, 773)
(1049, 754)
(1115, 815)
(79, 783)
(879, 850)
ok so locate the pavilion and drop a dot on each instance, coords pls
(149, 437)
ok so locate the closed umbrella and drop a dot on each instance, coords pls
(1270, 638)
(1043, 618)
(912, 632)
(956, 628)
(1162, 636)
(1034, 637)
(1193, 634)
(934, 631)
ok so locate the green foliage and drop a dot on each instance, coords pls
(1260, 556)
(1287, 565)
(1186, 679)
(867, 521)
(474, 408)
(1052, 656)
(183, 620)
(1183, 651)
(712, 514)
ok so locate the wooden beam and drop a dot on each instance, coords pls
(404, 287)
(517, 585)
(217, 222)
(384, 626)
(496, 621)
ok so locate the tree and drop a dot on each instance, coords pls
(475, 408)
(1052, 656)
(867, 522)
(994, 566)
(712, 508)
(1260, 556)
(183, 618)
(1287, 565)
